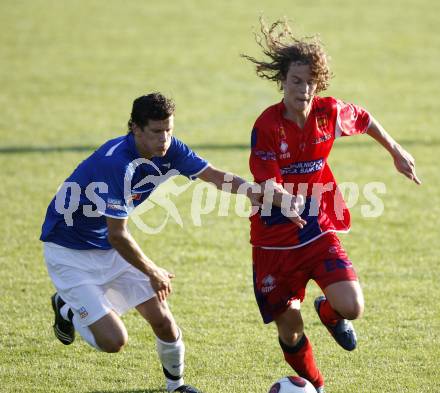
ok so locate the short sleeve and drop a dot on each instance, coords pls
(263, 159)
(351, 119)
(186, 161)
(112, 174)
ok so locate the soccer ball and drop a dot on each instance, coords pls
(292, 385)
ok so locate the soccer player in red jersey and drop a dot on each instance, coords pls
(293, 243)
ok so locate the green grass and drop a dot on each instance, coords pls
(69, 72)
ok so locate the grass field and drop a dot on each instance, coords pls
(68, 74)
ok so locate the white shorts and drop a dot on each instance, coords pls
(94, 282)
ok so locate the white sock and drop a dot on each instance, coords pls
(172, 357)
(64, 312)
(84, 332)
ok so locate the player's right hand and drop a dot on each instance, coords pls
(405, 164)
(160, 280)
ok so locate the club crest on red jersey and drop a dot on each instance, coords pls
(322, 123)
(322, 128)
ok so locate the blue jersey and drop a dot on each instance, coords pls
(111, 182)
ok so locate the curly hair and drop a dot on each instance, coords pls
(283, 49)
(154, 106)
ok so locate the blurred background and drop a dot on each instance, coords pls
(69, 71)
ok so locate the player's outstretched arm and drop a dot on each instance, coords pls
(403, 161)
(122, 241)
(236, 185)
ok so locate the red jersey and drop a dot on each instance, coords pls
(297, 159)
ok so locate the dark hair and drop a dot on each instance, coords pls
(283, 49)
(154, 106)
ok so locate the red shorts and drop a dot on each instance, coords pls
(281, 276)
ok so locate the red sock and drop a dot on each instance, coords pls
(300, 358)
(327, 314)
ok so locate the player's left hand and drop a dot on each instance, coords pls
(160, 281)
(405, 164)
(255, 195)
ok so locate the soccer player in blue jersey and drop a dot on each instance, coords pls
(97, 267)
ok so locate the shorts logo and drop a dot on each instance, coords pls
(268, 284)
(83, 312)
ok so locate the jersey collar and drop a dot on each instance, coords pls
(132, 145)
(282, 108)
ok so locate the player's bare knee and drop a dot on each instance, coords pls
(296, 337)
(353, 310)
(113, 341)
(291, 335)
(114, 344)
(358, 310)
(112, 348)
(292, 338)
(290, 326)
